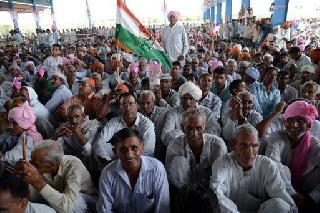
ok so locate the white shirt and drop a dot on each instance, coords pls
(150, 193)
(175, 41)
(213, 148)
(239, 190)
(172, 127)
(213, 102)
(103, 148)
(61, 94)
(279, 150)
(38, 208)
(15, 154)
(51, 64)
(253, 118)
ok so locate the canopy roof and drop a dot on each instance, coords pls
(24, 6)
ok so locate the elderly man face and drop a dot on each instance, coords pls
(37, 160)
(246, 149)
(194, 126)
(296, 128)
(128, 107)
(231, 67)
(308, 92)
(187, 101)
(71, 73)
(306, 76)
(76, 117)
(247, 104)
(195, 63)
(146, 104)
(129, 152)
(56, 81)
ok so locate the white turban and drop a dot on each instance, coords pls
(192, 89)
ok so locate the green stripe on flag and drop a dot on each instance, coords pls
(141, 46)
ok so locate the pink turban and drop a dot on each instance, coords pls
(174, 13)
(302, 109)
(214, 64)
(41, 71)
(25, 117)
(300, 155)
(17, 83)
(133, 68)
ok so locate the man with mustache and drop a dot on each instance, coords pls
(133, 182)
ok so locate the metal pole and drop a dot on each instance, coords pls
(14, 15)
(89, 15)
(164, 12)
(36, 14)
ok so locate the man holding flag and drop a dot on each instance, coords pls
(175, 40)
(132, 36)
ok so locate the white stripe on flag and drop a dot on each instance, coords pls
(127, 22)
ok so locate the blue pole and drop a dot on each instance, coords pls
(245, 4)
(229, 11)
(219, 7)
(14, 15)
(280, 11)
(36, 14)
(213, 13)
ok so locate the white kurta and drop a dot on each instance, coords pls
(258, 189)
(179, 152)
(279, 150)
(175, 41)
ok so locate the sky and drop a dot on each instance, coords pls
(73, 12)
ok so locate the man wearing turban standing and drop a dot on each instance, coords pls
(175, 40)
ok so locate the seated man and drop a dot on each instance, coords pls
(86, 98)
(268, 96)
(157, 115)
(21, 124)
(221, 85)
(177, 78)
(61, 93)
(190, 156)
(189, 94)
(209, 99)
(129, 118)
(166, 97)
(287, 92)
(241, 112)
(14, 196)
(133, 183)
(246, 181)
(297, 153)
(61, 180)
(77, 134)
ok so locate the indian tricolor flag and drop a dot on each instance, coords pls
(132, 36)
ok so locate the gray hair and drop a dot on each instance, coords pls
(194, 112)
(243, 94)
(53, 148)
(245, 128)
(231, 60)
(150, 93)
(96, 74)
(245, 63)
(74, 107)
(314, 85)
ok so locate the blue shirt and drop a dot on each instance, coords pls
(150, 193)
(267, 100)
